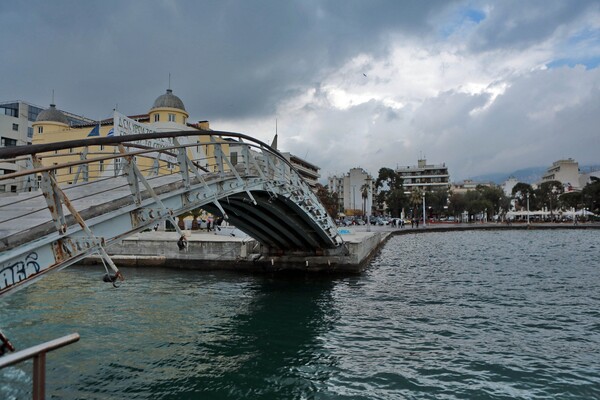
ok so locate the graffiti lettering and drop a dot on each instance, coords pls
(19, 270)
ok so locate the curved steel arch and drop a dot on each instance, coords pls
(262, 194)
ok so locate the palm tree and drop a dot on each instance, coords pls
(365, 195)
(415, 199)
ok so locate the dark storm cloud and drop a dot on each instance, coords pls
(370, 82)
(518, 24)
(227, 58)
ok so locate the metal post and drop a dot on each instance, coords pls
(527, 208)
(424, 216)
(39, 376)
(38, 353)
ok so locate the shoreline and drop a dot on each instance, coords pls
(208, 251)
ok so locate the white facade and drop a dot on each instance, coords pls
(424, 177)
(309, 172)
(508, 186)
(564, 171)
(16, 118)
(585, 179)
(350, 189)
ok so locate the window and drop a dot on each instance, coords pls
(234, 158)
(40, 129)
(15, 127)
(11, 109)
(156, 117)
(7, 142)
(33, 113)
(30, 132)
(171, 117)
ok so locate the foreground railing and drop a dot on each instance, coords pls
(38, 353)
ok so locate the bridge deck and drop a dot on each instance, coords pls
(25, 217)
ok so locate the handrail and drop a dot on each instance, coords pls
(15, 151)
(38, 353)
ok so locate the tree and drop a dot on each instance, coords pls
(570, 200)
(416, 197)
(364, 190)
(456, 204)
(494, 196)
(591, 195)
(519, 193)
(549, 192)
(390, 191)
(328, 199)
(437, 199)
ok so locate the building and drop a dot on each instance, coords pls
(564, 171)
(424, 177)
(468, 184)
(586, 178)
(351, 189)
(508, 185)
(16, 129)
(167, 113)
(309, 172)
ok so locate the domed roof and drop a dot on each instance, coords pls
(52, 114)
(168, 100)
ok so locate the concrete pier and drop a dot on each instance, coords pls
(208, 251)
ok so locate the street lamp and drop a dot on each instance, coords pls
(369, 206)
(424, 224)
(527, 208)
(552, 194)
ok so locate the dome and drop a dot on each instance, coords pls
(168, 100)
(53, 115)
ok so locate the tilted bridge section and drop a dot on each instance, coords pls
(113, 187)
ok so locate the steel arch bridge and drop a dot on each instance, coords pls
(113, 187)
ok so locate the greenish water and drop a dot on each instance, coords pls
(461, 315)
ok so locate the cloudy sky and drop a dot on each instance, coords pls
(482, 86)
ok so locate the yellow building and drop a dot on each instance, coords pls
(167, 114)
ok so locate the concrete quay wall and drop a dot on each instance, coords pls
(210, 251)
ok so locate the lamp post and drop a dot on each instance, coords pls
(353, 198)
(369, 206)
(424, 224)
(527, 208)
(552, 194)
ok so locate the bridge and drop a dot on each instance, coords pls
(113, 187)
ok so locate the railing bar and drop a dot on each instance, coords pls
(26, 354)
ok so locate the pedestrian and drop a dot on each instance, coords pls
(208, 225)
(417, 222)
(412, 222)
(182, 243)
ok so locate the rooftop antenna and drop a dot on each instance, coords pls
(52, 96)
(169, 81)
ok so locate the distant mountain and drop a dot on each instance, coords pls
(526, 175)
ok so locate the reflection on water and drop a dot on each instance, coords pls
(438, 315)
